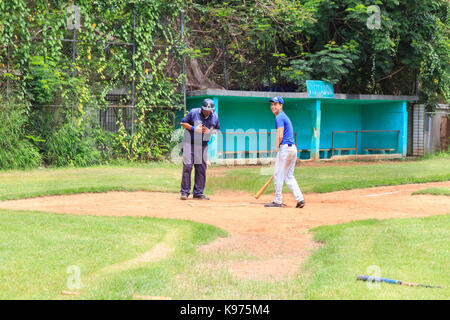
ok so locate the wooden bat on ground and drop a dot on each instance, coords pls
(264, 187)
(379, 279)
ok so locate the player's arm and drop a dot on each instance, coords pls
(189, 127)
(280, 134)
(186, 123)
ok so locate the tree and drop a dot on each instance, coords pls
(362, 46)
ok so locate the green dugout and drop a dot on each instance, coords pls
(344, 126)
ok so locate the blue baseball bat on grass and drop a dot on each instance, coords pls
(410, 284)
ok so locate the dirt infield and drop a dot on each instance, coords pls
(276, 239)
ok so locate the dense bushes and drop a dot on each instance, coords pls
(69, 146)
(16, 149)
(66, 84)
(28, 139)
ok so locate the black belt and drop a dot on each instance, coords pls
(289, 144)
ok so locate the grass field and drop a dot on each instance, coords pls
(37, 248)
(412, 250)
(166, 178)
(434, 191)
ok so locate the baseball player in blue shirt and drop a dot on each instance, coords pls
(286, 156)
(199, 123)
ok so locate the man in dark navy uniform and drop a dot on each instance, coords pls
(199, 123)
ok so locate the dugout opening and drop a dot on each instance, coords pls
(343, 127)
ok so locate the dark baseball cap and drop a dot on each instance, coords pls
(208, 104)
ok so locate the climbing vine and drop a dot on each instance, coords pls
(120, 44)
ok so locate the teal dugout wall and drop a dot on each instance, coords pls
(351, 115)
(247, 124)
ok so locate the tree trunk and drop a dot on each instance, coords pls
(196, 79)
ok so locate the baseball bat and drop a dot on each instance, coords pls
(264, 187)
(410, 284)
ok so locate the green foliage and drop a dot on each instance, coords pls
(69, 146)
(43, 80)
(153, 140)
(61, 91)
(282, 42)
(412, 38)
(331, 64)
(16, 150)
(361, 46)
(105, 142)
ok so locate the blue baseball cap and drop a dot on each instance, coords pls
(277, 99)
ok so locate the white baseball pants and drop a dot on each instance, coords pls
(284, 172)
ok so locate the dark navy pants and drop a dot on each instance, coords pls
(194, 156)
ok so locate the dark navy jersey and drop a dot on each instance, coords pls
(195, 117)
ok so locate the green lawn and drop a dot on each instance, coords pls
(166, 178)
(36, 250)
(334, 178)
(412, 250)
(434, 191)
(40, 182)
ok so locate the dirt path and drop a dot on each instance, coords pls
(276, 238)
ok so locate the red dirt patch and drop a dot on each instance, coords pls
(276, 238)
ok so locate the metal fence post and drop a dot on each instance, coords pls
(74, 50)
(133, 72)
(7, 70)
(183, 62)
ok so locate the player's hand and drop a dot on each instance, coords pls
(205, 130)
(198, 129)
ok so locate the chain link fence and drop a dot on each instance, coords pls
(113, 87)
(219, 62)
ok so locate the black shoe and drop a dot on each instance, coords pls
(201, 197)
(273, 205)
(184, 196)
(300, 204)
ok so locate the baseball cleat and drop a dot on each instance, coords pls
(201, 197)
(300, 204)
(184, 197)
(273, 205)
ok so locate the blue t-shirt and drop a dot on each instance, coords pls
(282, 120)
(195, 117)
